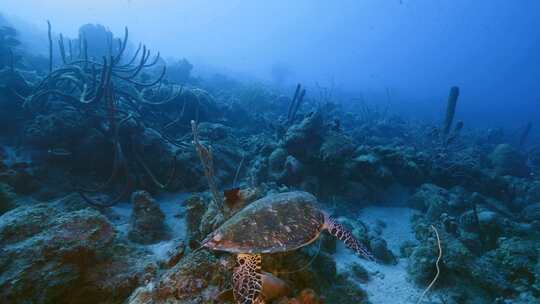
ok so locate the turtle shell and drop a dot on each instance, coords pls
(275, 223)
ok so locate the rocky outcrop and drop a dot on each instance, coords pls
(508, 161)
(431, 199)
(531, 212)
(202, 217)
(202, 277)
(147, 222)
(52, 254)
(198, 278)
(7, 199)
(304, 138)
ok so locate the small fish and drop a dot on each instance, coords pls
(59, 152)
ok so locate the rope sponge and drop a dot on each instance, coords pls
(436, 265)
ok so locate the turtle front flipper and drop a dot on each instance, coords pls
(247, 279)
(344, 235)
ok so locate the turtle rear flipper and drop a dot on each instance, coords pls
(247, 279)
(344, 235)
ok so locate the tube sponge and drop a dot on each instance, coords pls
(450, 109)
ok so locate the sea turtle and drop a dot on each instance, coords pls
(275, 223)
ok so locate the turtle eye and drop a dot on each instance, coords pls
(241, 261)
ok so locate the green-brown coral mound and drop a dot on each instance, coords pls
(53, 254)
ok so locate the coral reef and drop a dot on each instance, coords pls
(58, 252)
(484, 245)
(100, 120)
(6, 199)
(147, 220)
(506, 160)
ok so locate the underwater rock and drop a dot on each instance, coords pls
(328, 163)
(212, 218)
(201, 276)
(303, 268)
(345, 291)
(157, 155)
(174, 255)
(389, 129)
(368, 167)
(96, 36)
(508, 161)
(536, 285)
(24, 182)
(292, 173)
(534, 161)
(202, 217)
(7, 199)
(468, 221)
(198, 278)
(363, 166)
(489, 277)
(336, 147)
(258, 171)
(508, 270)
(380, 251)
(189, 173)
(402, 161)
(360, 273)
(227, 155)
(533, 192)
(500, 268)
(421, 266)
(531, 212)
(304, 138)
(101, 149)
(306, 296)
(486, 226)
(179, 71)
(15, 81)
(54, 246)
(61, 128)
(488, 218)
(356, 192)
(300, 271)
(406, 249)
(456, 257)
(431, 199)
(195, 209)
(276, 160)
(50, 255)
(20, 177)
(516, 257)
(457, 199)
(214, 131)
(147, 222)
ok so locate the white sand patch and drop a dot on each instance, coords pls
(390, 283)
(172, 205)
(398, 224)
(122, 212)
